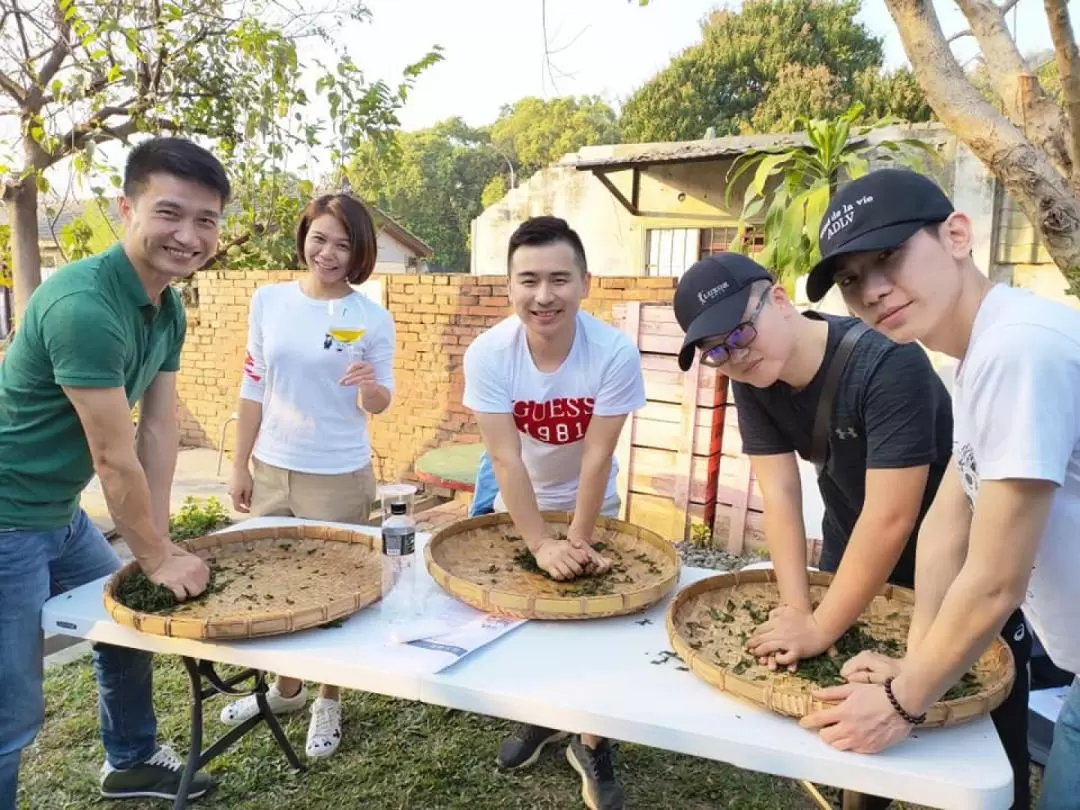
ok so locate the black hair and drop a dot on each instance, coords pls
(538, 231)
(358, 224)
(178, 157)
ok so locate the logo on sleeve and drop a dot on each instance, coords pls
(557, 421)
(249, 368)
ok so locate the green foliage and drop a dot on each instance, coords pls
(431, 181)
(761, 68)
(789, 189)
(535, 132)
(700, 533)
(197, 519)
(227, 74)
(435, 181)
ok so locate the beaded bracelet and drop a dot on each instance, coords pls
(915, 721)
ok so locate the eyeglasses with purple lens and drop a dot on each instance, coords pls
(738, 338)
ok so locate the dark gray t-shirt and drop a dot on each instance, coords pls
(891, 411)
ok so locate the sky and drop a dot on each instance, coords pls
(494, 49)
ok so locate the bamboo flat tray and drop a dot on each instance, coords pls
(478, 561)
(267, 581)
(708, 623)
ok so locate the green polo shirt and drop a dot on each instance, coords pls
(89, 325)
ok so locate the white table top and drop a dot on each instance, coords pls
(596, 677)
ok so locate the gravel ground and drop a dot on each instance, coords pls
(701, 556)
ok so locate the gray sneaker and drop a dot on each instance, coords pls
(157, 778)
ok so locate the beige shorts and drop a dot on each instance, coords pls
(341, 498)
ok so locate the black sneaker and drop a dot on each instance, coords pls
(599, 789)
(157, 778)
(523, 747)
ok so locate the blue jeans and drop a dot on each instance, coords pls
(485, 489)
(35, 565)
(1061, 779)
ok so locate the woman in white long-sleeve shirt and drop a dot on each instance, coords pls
(303, 415)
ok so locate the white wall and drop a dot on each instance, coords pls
(613, 240)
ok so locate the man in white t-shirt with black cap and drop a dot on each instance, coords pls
(1003, 529)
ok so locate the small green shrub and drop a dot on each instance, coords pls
(195, 519)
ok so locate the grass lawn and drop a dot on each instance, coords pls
(396, 754)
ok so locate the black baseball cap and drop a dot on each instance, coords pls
(712, 296)
(879, 211)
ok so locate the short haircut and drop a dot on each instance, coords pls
(358, 224)
(539, 231)
(180, 158)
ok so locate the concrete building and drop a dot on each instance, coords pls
(653, 209)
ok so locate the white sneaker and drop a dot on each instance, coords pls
(324, 731)
(240, 710)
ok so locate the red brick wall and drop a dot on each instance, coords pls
(436, 317)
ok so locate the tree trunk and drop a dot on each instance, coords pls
(21, 201)
(1028, 174)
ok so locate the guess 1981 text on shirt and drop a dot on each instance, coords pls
(601, 376)
(1016, 402)
(311, 423)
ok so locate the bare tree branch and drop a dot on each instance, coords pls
(18, 12)
(1026, 105)
(60, 50)
(12, 89)
(1068, 65)
(1005, 9)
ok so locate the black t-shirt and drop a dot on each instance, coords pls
(891, 410)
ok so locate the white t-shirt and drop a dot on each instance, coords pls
(601, 376)
(310, 423)
(1016, 404)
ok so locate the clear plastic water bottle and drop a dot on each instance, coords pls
(398, 565)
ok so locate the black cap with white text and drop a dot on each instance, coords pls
(712, 296)
(879, 211)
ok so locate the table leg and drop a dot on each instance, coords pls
(851, 800)
(197, 758)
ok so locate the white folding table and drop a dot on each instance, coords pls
(595, 676)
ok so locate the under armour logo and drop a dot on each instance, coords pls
(846, 433)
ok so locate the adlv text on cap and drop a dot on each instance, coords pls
(879, 211)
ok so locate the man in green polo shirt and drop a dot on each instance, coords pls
(99, 336)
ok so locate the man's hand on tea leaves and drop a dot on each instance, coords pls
(597, 563)
(865, 722)
(562, 558)
(786, 637)
(870, 667)
(182, 572)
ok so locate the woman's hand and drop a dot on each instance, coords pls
(240, 486)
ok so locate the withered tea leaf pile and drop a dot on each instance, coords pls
(269, 577)
(719, 626)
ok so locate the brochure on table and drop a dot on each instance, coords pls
(446, 632)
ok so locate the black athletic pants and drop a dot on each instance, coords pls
(1010, 718)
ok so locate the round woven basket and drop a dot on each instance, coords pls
(473, 560)
(276, 580)
(707, 622)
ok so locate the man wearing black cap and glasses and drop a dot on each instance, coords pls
(873, 416)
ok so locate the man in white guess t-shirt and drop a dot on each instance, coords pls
(1004, 528)
(551, 387)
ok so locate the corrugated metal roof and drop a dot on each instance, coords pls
(650, 154)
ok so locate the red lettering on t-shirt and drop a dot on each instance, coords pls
(556, 421)
(249, 367)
